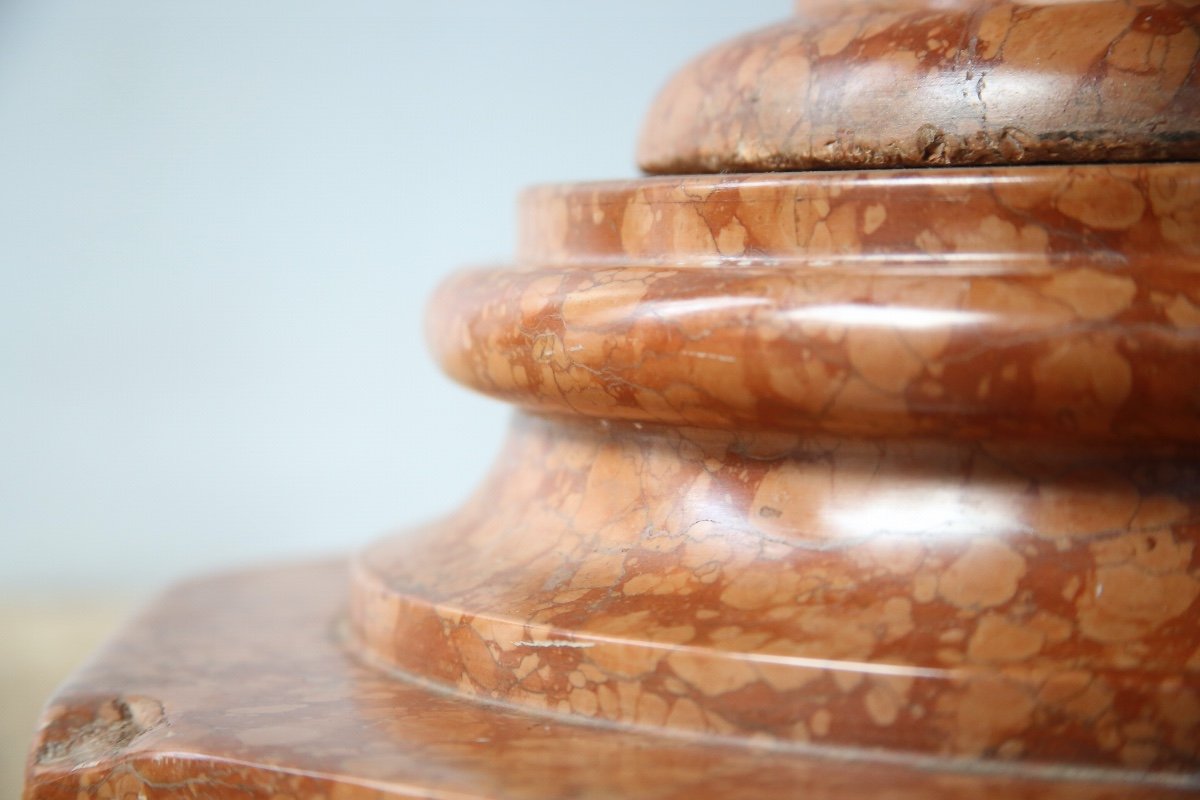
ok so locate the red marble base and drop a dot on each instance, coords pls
(241, 686)
(826, 485)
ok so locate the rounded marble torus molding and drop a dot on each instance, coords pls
(840, 483)
(895, 465)
(890, 465)
(935, 83)
(1048, 303)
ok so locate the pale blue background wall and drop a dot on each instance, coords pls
(219, 222)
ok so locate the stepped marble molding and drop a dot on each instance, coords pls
(836, 484)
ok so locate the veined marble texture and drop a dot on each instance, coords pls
(900, 461)
(826, 484)
(1046, 303)
(962, 600)
(816, 476)
(240, 687)
(893, 83)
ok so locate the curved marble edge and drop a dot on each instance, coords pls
(1051, 302)
(874, 85)
(855, 754)
(1073, 355)
(965, 220)
(235, 686)
(954, 600)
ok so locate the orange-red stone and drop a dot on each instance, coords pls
(241, 687)
(976, 303)
(823, 484)
(957, 600)
(888, 83)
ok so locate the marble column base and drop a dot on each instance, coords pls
(243, 686)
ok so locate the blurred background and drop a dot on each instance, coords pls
(219, 223)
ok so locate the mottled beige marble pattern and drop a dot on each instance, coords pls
(239, 687)
(962, 600)
(970, 302)
(831, 485)
(925, 83)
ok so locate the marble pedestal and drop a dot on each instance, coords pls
(242, 686)
(828, 484)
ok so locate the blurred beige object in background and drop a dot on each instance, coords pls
(44, 640)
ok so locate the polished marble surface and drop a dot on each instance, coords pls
(833, 484)
(895, 83)
(1021, 606)
(242, 686)
(1037, 303)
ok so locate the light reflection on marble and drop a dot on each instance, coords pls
(891, 317)
(238, 687)
(838, 484)
(930, 512)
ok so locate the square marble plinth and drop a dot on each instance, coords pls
(243, 686)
